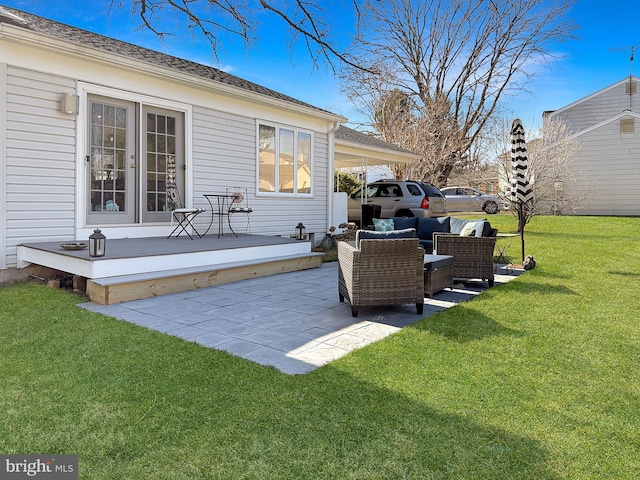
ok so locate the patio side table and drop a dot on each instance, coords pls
(503, 243)
(438, 273)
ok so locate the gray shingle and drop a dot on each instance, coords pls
(100, 42)
(350, 135)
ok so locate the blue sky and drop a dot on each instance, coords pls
(594, 61)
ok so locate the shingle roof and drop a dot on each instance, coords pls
(107, 44)
(350, 135)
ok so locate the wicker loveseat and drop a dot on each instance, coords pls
(381, 272)
(472, 251)
(426, 228)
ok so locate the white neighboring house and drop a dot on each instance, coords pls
(371, 173)
(607, 125)
(92, 129)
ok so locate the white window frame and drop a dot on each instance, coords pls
(296, 135)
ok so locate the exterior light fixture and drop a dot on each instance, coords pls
(301, 231)
(69, 103)
(97, 244)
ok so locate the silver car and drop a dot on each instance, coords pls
(467, 199)
(397, 198)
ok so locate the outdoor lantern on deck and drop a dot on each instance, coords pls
(301, 231)
(97, 244)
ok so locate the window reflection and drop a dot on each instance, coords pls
(161, 160)
(284, 160)
(108, 162)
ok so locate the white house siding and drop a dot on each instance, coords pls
(610, 162)
(598, 107)
(40, 160)
(41, 183)
(224, 155)
(41, 164)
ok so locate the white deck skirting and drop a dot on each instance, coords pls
(140, 256)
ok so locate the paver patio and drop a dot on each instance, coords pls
(291, 321)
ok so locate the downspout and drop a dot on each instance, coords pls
(3, 166)
(364, 171)
(330, 179)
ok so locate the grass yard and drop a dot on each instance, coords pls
(534, 379)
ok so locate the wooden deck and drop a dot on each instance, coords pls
(136, 268)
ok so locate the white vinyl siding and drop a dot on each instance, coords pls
(40, 160)
(224, 155)
(608, 159)
(597, 108)
(610, 163)
(44, 198)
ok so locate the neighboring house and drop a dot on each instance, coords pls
(371, 173)
(92, 129)
(607, 125)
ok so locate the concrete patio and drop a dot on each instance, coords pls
(291, 321)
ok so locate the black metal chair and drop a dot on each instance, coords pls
(239, 205)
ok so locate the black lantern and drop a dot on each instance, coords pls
(301, 231)
(97, 244)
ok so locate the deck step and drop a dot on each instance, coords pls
(110, 290)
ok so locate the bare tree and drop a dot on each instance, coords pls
(455, 60)
(219, 21)
(393, 115)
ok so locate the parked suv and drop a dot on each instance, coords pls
(398, 198)
(467, 199)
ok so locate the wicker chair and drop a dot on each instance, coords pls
(472, 256)
(381, 272)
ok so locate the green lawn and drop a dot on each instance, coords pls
(538, 378)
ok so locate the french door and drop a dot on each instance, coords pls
(134, 150)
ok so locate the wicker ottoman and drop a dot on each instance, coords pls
(438, 273)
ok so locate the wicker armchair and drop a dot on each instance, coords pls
(381, 272)
(472, 256)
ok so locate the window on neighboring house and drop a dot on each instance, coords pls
(284, 160)
(627, 125)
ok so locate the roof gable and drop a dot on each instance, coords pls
(594, 95)
(625, 113)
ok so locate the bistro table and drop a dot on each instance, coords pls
(222, 202)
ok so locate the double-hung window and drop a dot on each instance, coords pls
(284, 160)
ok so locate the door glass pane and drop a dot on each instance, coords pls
(108, 158)
(161, 159)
